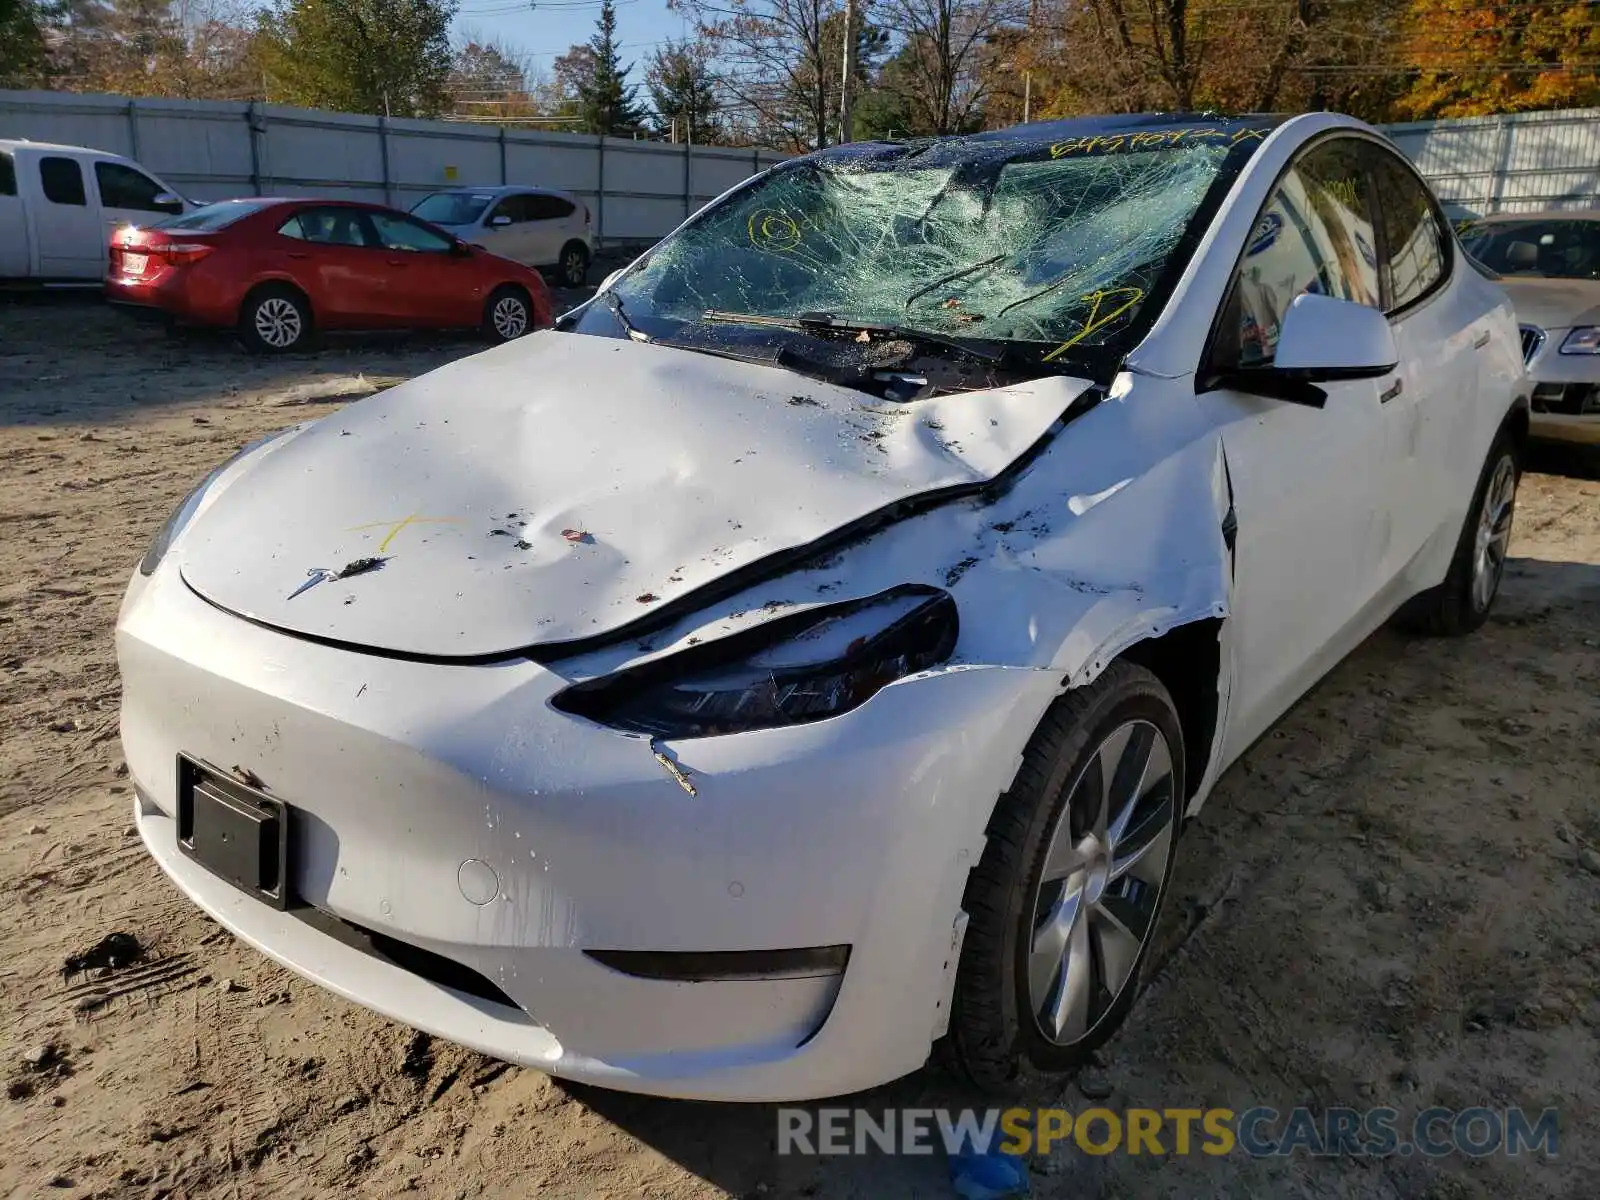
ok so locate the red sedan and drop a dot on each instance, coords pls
(278, 269)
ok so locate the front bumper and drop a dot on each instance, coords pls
(856, 831)
(1566, 391)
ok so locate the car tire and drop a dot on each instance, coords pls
(508, 314)
(1012, 1008)
(572, 268)
(1462, 602)
(275, 319)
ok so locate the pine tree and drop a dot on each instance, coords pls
(683, 92)
(607, 101)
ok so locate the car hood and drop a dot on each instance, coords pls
(1553, 303)
(564, 487)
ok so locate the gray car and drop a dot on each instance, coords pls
(1549, 263)
(537, 227)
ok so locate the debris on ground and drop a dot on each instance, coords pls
(990, 1174)
(110, 953)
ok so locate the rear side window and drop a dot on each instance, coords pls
(327, 227)
(1414, 240)
(514, 207)
(8, 175)
(62, 181)
(123, 187)
(548, 208)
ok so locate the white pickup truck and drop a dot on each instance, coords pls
(59, 204)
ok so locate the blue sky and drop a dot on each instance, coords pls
(544, 31)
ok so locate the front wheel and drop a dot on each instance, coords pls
(1063, 904)
(1461, 603)
(508, 314)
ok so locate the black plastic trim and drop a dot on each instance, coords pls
(725, 966)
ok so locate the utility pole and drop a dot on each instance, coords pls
(1027, 75)
(845, 131)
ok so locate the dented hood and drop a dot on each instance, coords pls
(562, 487)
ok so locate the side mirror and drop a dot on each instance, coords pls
(460, 249)
(500, 222)
(168, 202)
(1326, 339)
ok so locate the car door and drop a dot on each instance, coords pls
(130, 197)
(1439, 343)
(1307, 482)
(504, 228)
(71, 242)
(331, 253)
(428, 283)
(552, 228)
(15, 260)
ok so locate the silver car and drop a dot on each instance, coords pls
(534, 226)
(1549, 263)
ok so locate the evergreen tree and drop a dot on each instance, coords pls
(607, 101)
(683, 92)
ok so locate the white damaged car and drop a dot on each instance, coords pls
(810, 652)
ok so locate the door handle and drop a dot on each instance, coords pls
(1483, 340)
(1393, 390)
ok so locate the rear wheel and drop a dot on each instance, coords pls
(1461, 603)
(508, 314)
(274, 319)
(572, 268)
(1063, 904)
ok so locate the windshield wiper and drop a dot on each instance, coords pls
(614, 303)
(809, 322)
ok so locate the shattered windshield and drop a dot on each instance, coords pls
(1049, 245)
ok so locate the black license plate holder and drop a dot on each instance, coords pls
(237, 832)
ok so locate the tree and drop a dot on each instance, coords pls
(938, 73)
(21, 43)
(1473, 60)
(683, 92)
(364, 56)
(607, 102)
(488, 81)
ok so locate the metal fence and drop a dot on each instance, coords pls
(1514, 163)
(214, 150)
(641, 190)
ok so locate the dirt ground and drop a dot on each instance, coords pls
(1393, 900)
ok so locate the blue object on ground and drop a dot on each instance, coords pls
(988, 1174)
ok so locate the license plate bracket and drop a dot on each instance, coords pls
(235, 831)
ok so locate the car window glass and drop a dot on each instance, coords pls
(1308, 238)
(327, 227)
(1555, 249)
(396, 232)
(510, 206)
(8, 175)
(214, 216)
(451, 208)
(62, 180)
(548, 208)
(123, 187)
(1414, 256)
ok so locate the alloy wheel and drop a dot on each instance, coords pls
(573, 267)
(1494, 532)
(277, 322)
(510, 317)
(1100, 888)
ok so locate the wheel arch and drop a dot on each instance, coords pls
(1188, 661)
(276, 282)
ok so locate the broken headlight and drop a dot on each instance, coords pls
(806, 667)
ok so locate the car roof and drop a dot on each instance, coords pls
(59, 147)
(1543, 214)
(499, 189)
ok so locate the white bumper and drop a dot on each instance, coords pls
(856, 831)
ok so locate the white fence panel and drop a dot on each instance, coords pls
(1514, 163)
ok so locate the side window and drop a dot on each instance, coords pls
(396, 232)
(62, 181)
(549, 208)
(8, 175)
(1415, 252)
(123, 187)
(511, 207)
(327, 227)
(1314, 235)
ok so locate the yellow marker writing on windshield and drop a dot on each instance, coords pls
(1098, 320)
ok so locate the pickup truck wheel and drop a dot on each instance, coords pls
(274, 320)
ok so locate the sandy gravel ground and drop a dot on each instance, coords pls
(1394, 899)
